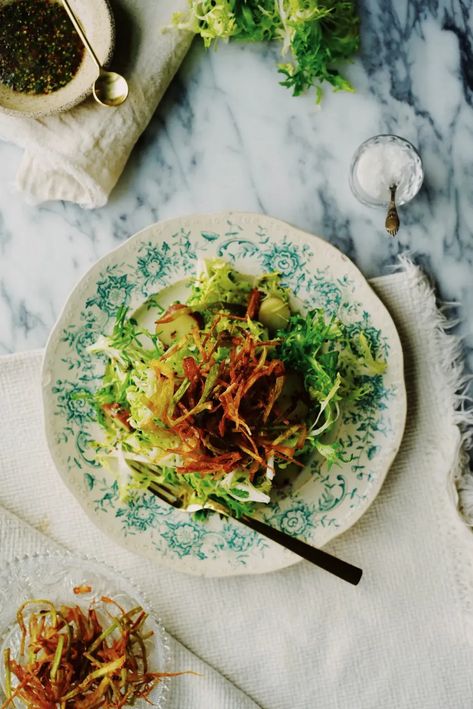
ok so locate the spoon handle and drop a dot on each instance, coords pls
(80, 32)
(320, 558)
(392, 217)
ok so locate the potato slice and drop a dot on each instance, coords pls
(274, 313)
(177, 322)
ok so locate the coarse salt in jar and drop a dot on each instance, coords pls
(382, 162)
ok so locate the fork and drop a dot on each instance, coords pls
(334, 565)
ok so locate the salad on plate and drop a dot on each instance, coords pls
(229, 391)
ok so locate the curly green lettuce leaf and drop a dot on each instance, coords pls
(335, 364)
(219, 284)
(319, 36)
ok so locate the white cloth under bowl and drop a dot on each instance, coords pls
(300, 638)
(79, 155)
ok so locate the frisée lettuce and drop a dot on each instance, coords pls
(231, 388)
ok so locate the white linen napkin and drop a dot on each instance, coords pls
(79, 155)
(300, 638)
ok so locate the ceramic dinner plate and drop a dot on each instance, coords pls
(99, 25)
(320, 503)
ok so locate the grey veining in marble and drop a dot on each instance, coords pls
(227, 136)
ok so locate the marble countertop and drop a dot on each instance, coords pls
(227, 136)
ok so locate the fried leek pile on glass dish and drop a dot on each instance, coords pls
(81, 658)
(232, 387)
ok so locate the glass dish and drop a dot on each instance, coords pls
(380, 162)
(53, 577)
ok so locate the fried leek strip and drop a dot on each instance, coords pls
(68, 658)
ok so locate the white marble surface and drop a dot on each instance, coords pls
(227, 136)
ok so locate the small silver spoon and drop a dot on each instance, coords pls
(110, 88)
(392, 217)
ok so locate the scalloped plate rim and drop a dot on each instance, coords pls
(194, 566)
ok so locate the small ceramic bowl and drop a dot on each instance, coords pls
(98, 23)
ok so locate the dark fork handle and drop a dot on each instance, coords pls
(326, 561)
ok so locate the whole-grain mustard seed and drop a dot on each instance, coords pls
(40, 51)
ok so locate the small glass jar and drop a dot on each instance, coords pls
(382, 162)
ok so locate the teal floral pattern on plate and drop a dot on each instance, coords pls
(316, 506)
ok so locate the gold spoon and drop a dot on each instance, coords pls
(110, 88)
(392, 217)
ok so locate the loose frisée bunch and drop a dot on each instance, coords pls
(316, 35)
(230, 389)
